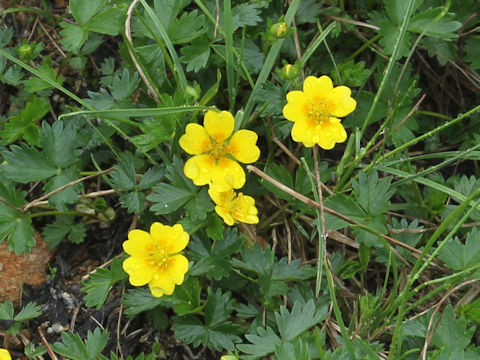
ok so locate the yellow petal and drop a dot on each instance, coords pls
(245, 210)
(303, 131)
(139, 243)
(195, 141)
(161, 284)
(243, 146)
(219, 125)
(332, 134)
(221, 197)
(317, 86)
(297, 107)
(340, 103)
(5, 355)
(177, 267)
(139, 270)
(225, 215)
(199, 169)
(226, 175)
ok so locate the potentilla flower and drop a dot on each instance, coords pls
(316, 110)
(233, 207)
(155, 259)
(216, 149)
(5, 355)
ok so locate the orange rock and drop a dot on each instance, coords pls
(26, 268)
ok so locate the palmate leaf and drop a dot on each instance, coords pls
(23, 125)
(99, 284)
(72, 346)
(59, 144)
(458, 256)
(63, 228)
(26, 164)
(216, 331)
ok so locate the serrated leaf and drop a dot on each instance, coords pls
(59, 144)
(151, 177)
(373, 194)
(35, 84)
(472, 52)
(23, 125)
(109, 21)
(428, 21)
(100, 282)
(73, 36)
(168, 198)
(63, 227)
(13, 76)
(452, 333)
(186, 28)
(141, 299)
(262, 344)
(300, 319)
(247, 14)
(217, 308)
(124, 85)
(124, 176)
(133, 201)
(68, 195)
(196, 55)
(26, 164)
(83, 11)
(6, 310)
(29, 311)
(199, 205)
(458, 256)
(72, 346)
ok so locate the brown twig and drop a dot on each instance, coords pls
(47, 345)
(71, 183)
(128, 35)
(308, 201)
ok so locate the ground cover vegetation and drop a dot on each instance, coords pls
(250, 179)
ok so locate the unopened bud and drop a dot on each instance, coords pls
(289, 71)
(279, 30)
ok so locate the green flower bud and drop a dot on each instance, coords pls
(279, 30)
(289, 71)
(25, 51)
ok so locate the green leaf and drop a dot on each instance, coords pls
(13, 76)
(35, 84)
(83, 11)
(109, 21)
(26, 164)
(300, 319)
(168, 198)
(123, 176)
(100, 282)
(196, 55)
(29, 311)
(458, 256)
(442, 28)
(23, 124)
(217, 332)
(199, 205)
(59, 144)
(185, 29)
(72, 346)
(151, 177)
(133, 201)
(68, 195)
(123, 86)
(281, 174)
(472, 52)
(6, 310)
(247, 14)
(452, 334)
(262, 344)
(140, 300)
(73, 37)
(373, 195)
(64, 227)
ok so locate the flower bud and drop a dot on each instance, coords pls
(289, 71)
(279, 30)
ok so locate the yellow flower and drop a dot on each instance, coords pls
(154, 258)
(315, 112)
(229, 357)
(5, 355)
(215, 148)
(234, 207)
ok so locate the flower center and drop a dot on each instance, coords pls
(159, 258)
(318, 112)
(217, 150)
